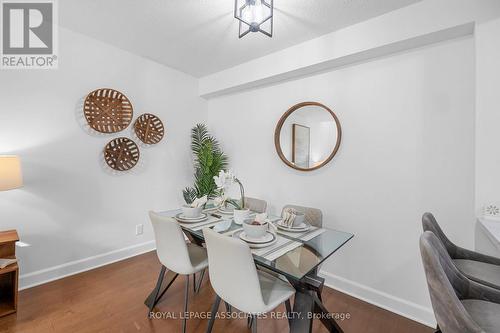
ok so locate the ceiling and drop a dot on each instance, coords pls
(200, 37)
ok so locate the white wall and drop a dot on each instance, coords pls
(72, 207)
(488, 114)
(407, 148)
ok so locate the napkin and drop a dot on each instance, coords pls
(261, 218)
(199, 202)
(289, 216)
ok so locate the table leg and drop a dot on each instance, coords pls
(307, 303)
(194, 240)
(324, 315)
(303, 307)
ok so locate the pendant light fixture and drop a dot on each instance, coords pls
(253, 15)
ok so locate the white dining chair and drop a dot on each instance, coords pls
(256, 205)
(235, 279)
(176, 255)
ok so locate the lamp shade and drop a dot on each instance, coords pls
(10, 173)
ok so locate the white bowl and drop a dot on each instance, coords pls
(254, 231)
(191, 212)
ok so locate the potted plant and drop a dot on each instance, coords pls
(224, 180)
(209, 159)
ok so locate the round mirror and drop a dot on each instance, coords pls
(307, 136)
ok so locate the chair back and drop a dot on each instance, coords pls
(446, 287)
(429, 223)
(313, 216)
(232, 272)
(171, 245)
(256, 205)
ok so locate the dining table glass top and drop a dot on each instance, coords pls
(292, 254)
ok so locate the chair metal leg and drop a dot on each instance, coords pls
(185, 305)
(288, 311)
(165, 290)
(156, 290)
(249, 321)
(228, 307)
(194, 283)
(213, 312)
(153, 298)
(202, 275)
(254, 324)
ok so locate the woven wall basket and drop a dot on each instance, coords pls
(121, 154)
(107, 110)
(149, 128)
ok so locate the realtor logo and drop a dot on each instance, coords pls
(28, 34)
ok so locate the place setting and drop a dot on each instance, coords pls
(193, 216)
(293, 224)
(293, 221)
(192, 213)
(257, 232)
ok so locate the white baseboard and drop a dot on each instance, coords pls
(58, 272)
(381, 299)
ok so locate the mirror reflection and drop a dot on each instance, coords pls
(309, 136)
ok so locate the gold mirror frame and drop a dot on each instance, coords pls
(277, 132)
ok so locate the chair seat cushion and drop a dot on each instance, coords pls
(485, 314)
(274, 290)
(484, 273)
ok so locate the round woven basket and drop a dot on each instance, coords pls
(149, 128)
(107, 110)
(121, 154)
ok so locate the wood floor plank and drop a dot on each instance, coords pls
(110, 299)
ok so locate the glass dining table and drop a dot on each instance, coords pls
(295, 256)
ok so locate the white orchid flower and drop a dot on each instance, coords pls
(224, 179)
(220, 180)
(230, 177)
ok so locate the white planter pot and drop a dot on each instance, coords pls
(241, 215)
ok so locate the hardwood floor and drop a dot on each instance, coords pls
(110, 299)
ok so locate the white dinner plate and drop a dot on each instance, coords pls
(237, 233)
(225, 211)
(300, 228)
(268, 237)
(180, 217)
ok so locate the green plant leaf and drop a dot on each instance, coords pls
(208, 160)
(189, 194)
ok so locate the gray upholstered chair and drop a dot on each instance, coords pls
(256, 205)
(476, 266)
(313, 216)
(460, 305)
